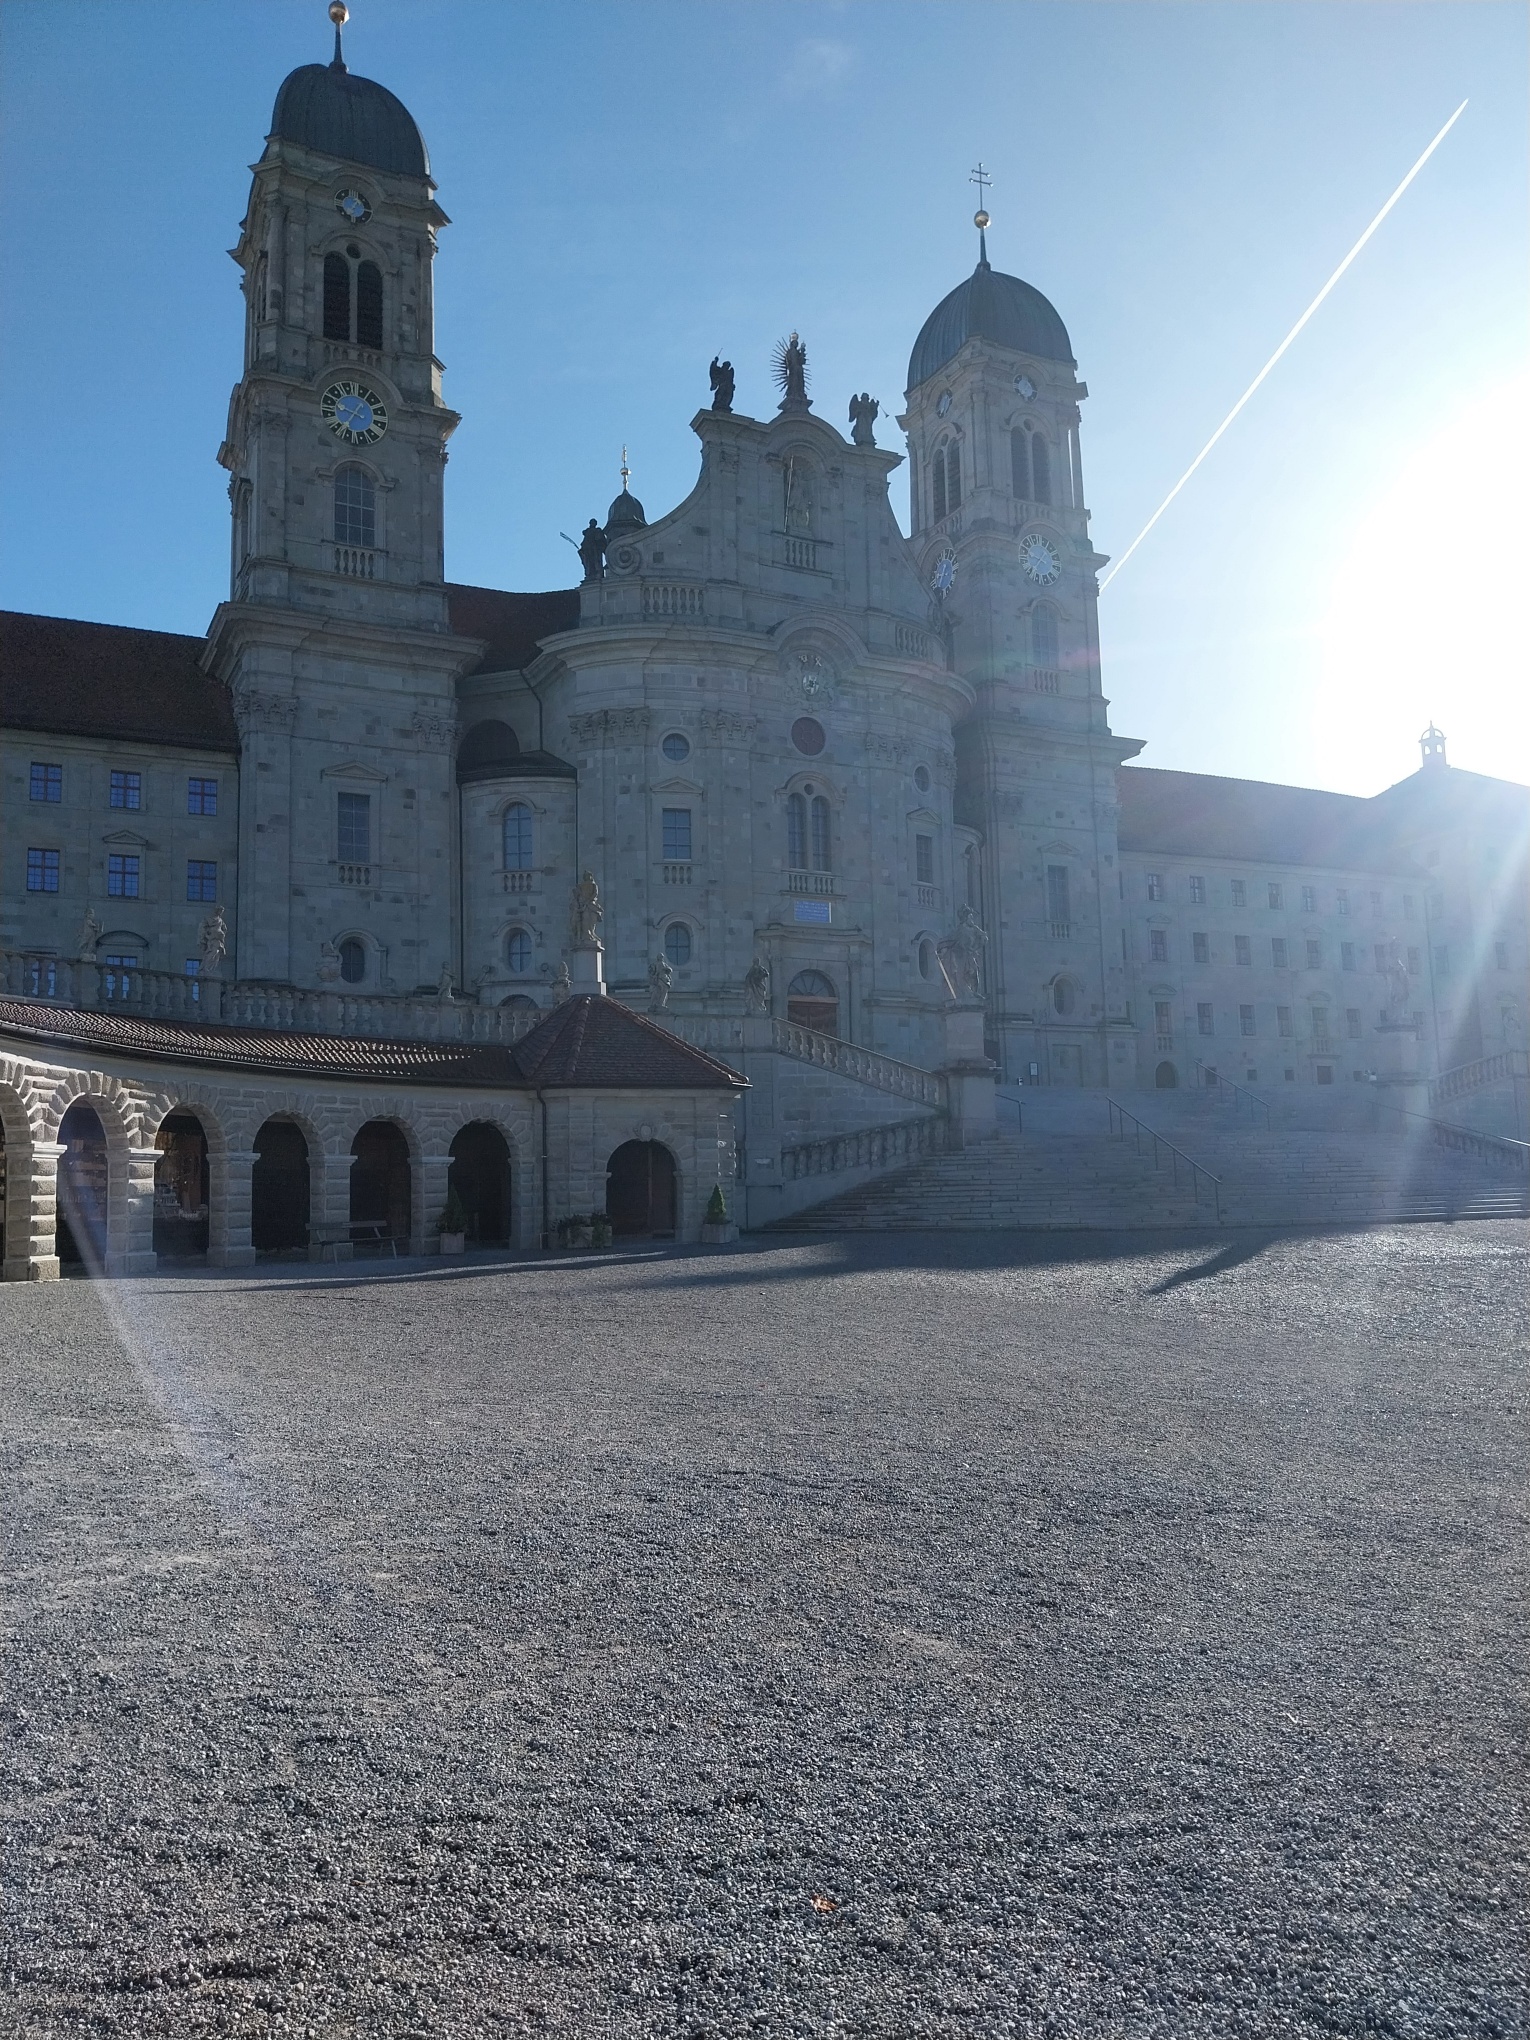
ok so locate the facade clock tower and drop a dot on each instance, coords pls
(335, 640)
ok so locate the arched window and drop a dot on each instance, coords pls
(518, 951)
(353, 960)
(337, 298)
(1041, 468)
(811, 1001)
(259, 295)
(954, 476)
(1044, 636)
(355, 508)
(926, 958)
(938, 506)
(677, 944)
(796, 832)
(369, 319)
(518, 840)
(1020, 463)
(820, 822)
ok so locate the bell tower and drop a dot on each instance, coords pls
(1001, 537)
(336, 640)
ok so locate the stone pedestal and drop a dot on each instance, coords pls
(970, 1076)
(586, 968)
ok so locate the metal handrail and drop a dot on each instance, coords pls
(1118, 1118)
(1487, 1147)
(1254, 1101)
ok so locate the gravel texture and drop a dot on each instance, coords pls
(878, 1637)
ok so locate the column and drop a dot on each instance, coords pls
(228, 1238)
(130, 1217)
(31, 1211)
(429, 1201)
(330, 1210)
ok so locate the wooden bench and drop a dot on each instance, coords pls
(339, 1242)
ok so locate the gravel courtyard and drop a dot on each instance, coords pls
(878, 1637)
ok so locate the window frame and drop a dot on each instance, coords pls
(519, 815)
(50, 778)
(124, 875)
(124, 790)
(46, 864)
(676, 828)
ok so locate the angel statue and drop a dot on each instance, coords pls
(588, 912)
(721, 376)
(661, 975)
(757, 987)
(791, 374)
(864, 412)
(212, 941)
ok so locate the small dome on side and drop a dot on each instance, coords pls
(625, 514)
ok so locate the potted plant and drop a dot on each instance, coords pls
(600, 1229)
(717, 1229)
(574, 1231)
(452, 1224)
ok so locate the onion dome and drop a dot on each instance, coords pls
(625, 514)
(323, 107)
(988, 306)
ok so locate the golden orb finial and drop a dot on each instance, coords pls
(980, 220)
(339, 13)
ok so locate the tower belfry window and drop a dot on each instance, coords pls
(355, 508)
(954, 476)
(369, 316)
(1020, 463)
(1041, 469)
(353, 299)
(938, 504)
(337, 298)
(1044, 636)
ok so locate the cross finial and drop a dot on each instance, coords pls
(980, 219)
(626, 471)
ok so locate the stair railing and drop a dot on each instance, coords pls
(1212, 1079)
(1120, 1118)
(1513, 1063)
(1487, 1147)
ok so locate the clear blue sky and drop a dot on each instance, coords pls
(633, 187)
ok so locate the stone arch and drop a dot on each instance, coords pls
(1166, 1076)
(482, 1173)
(19, 1215)
(387, 1174)
(643, 1190)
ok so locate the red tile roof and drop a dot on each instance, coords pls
(513, 624)
(105, 680)
(597, 1043)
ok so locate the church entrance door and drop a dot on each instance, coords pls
(811, 1001)
(640, 1191)
(1166, 1077)
(279, 1188)
(480, 1175)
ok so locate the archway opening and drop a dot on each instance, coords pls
(811, 1001)
(181, 1188)
(641, 1199)
(1166, 1077)
(82, 1186)
(279, 1189)
(380, 1183)
(480, 1175)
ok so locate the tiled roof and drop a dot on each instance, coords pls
(594, 1043)
(1191, 814)
(513, 624)
(105, 680)
(586, 1043)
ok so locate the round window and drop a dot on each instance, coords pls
(518, 950)
(926, 959)
(922, 778)
(676, 748)
(353, 961)
(677, 944)
(808, 736)
(1064, 997)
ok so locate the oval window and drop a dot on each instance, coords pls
(677, 944)
(676, 748)
(926, 959)
(922, 778)
(518, 950)
(808, 736)
(353, 961)
(1064, 997)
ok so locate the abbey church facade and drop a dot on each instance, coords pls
(808, 761)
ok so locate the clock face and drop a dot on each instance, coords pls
(354, 206)
(354, 413)
(943, 402)
(1025, 386)
(944, 578)
(1039, 558)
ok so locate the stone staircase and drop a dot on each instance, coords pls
(1060, 1167)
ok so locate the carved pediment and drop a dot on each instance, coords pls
(365, 774)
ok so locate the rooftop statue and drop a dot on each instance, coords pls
(592, 551)
(791, 374)
(661, 975)
(864, 411)
(721, 373)
(588, 912)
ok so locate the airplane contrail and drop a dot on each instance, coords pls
(1280, 350)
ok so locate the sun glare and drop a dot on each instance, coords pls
(1429, 612)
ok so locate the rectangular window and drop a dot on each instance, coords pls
(48, 782)
(1278, 951)
(201, 880)
(1246, 1020)
(201, 796)
(121, 877)
(1375, 902)
(1243, 949)
(1163, 1022)
(1325, 1073)
(1058, 904)
(127, 790)
(924, 859)
(1155, 885)
(1277, 893)
(1203, 1018)
(1382, 958)
(1347, 955)
(353, 830)
(1283, 1021)
(1342, 896)
(1314, 956)
(194, 970)
(1309, 899)
(677, 835)
(1239, 893)
(1442, 962)
(1501, 954)
(1415, 963)
(1352, 1022)
(1201, 946)
(1320, 1026)
(1197, 892)
(42, 871)
(1158, 945)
